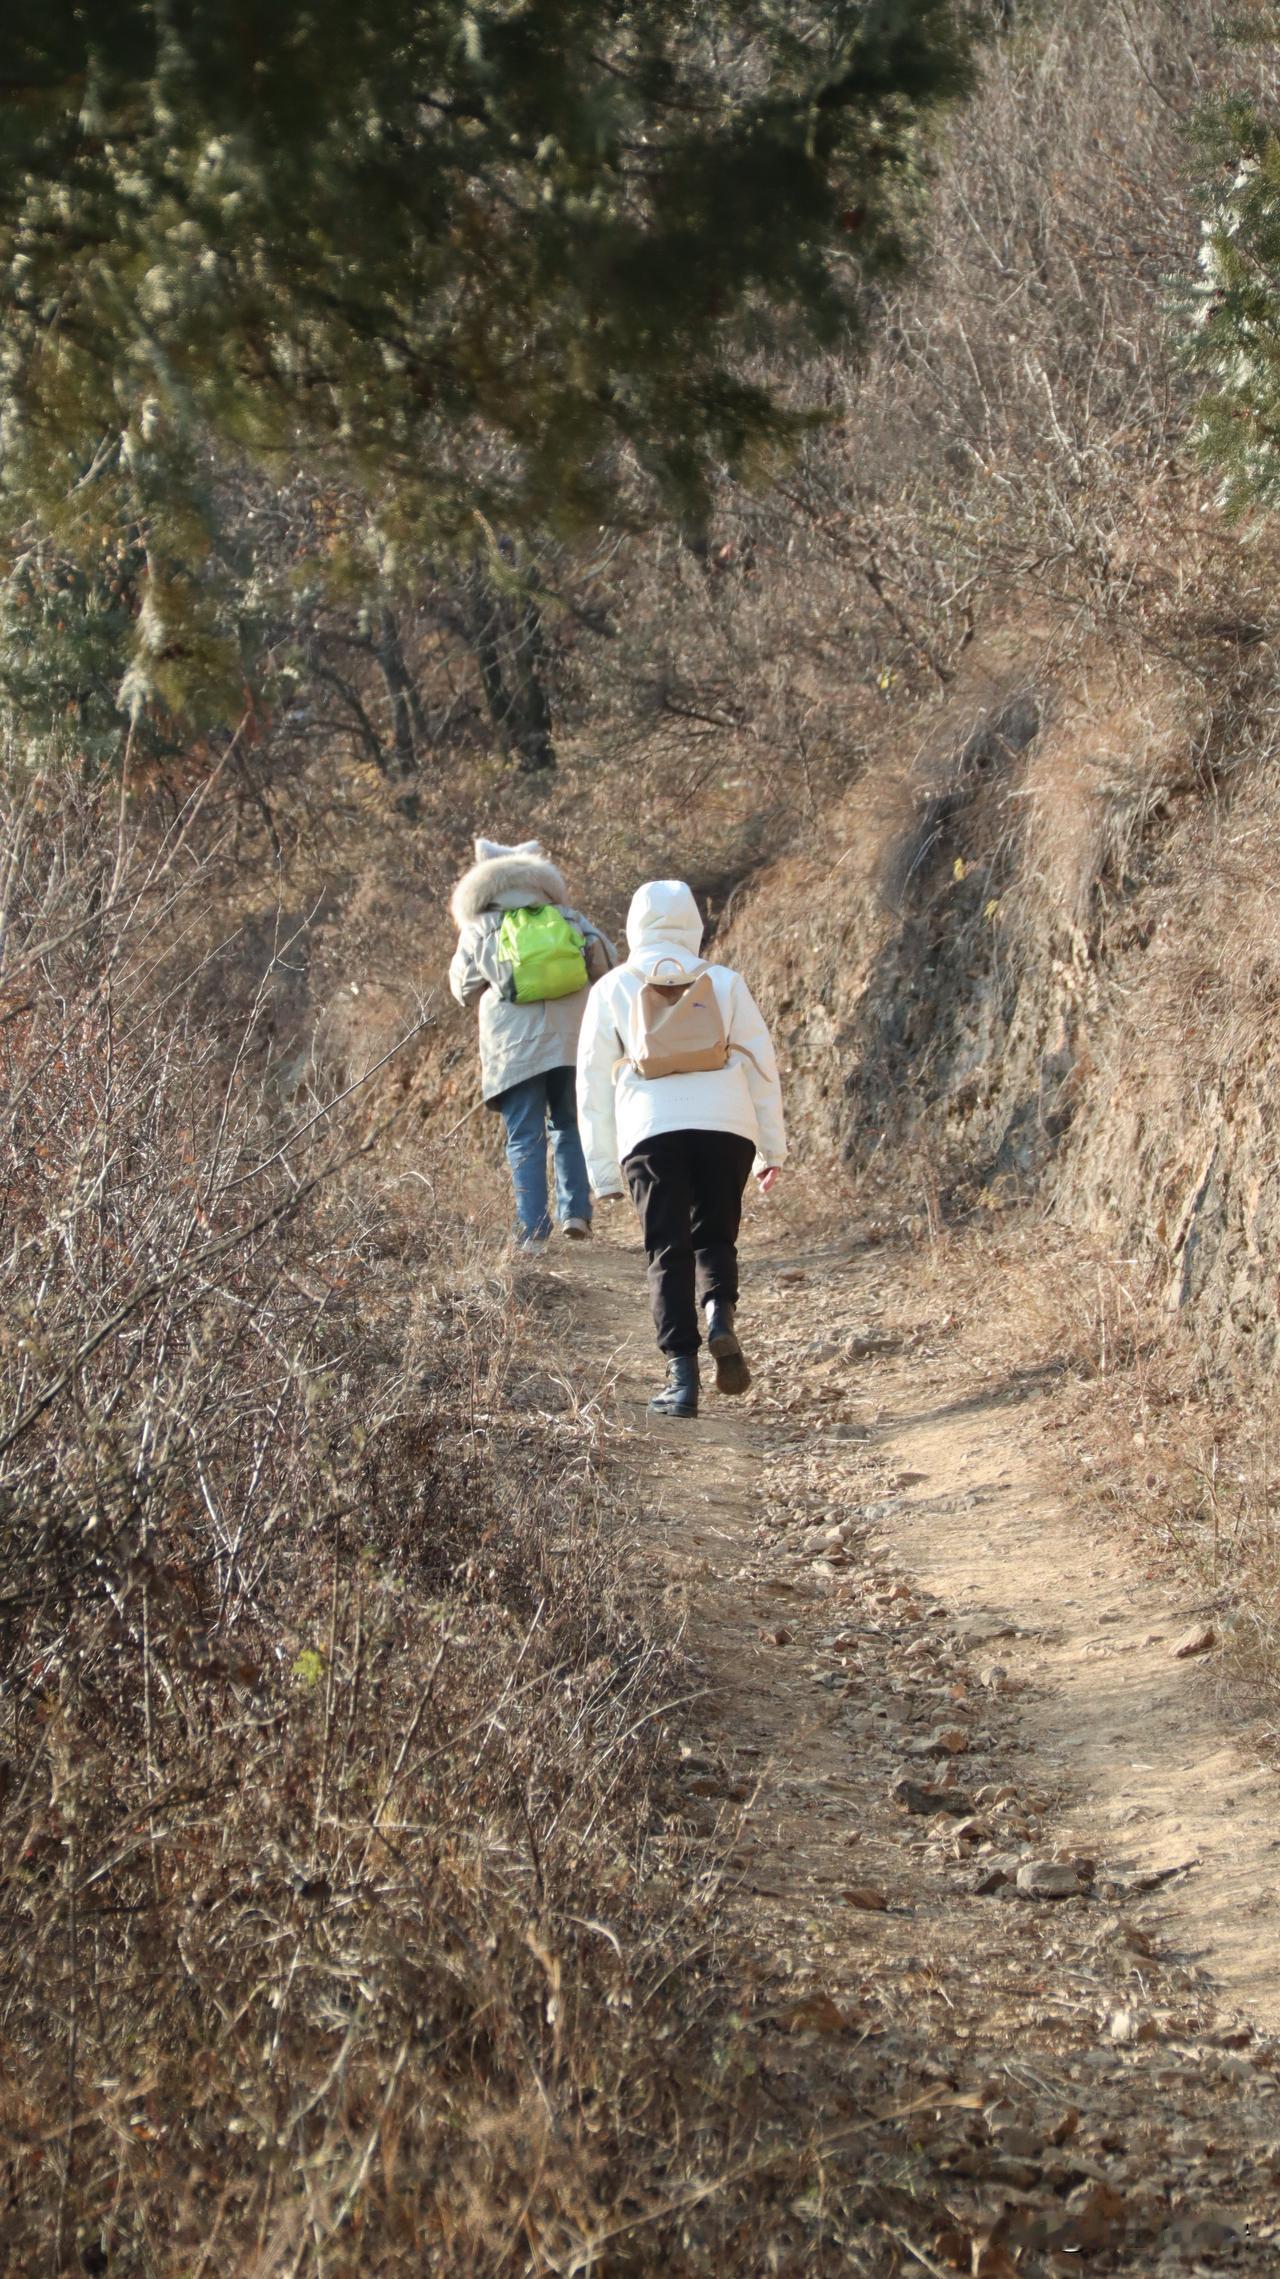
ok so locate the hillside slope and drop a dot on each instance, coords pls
(964, 730)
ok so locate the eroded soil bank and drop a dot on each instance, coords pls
(1003, 1857)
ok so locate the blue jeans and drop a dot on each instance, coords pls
(526, 1111)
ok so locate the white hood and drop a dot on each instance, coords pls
(663, 925)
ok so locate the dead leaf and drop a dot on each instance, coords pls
(992, 2262)
(818, 2014)
(952, 1738)
(1096, 2223)
(953, 2247)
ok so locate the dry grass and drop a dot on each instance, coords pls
(342, 1924)
(1138, 1434)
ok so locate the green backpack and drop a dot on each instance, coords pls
(543, 954)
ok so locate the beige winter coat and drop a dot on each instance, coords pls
(516, 1041)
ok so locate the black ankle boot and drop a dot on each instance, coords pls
(679, 1396)
(732, 1373)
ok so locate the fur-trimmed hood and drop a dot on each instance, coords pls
(517, 1040)
(513, 880)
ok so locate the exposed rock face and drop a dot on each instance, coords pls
(1043, 958)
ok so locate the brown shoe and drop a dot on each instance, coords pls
(732, 1373)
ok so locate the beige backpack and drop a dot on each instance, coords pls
(676, 1027)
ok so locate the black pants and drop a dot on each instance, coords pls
(688, 1189)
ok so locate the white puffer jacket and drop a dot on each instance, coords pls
(616, 1112)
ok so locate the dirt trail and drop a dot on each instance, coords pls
(1139, 1744)
(879, 1590)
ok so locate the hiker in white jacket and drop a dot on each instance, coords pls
(688, 1139)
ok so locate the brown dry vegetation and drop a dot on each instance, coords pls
(342, 1923)
(340, 1926)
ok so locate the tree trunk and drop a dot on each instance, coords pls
(533, 730)
(507, 643)
(408, 723)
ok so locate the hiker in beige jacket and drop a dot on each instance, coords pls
(526, 1050)
(686, 1141)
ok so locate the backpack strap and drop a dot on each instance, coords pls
(624, 1057)
(625, 1061)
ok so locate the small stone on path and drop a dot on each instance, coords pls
(1197, 1641)
(1128, 2027)
(1049, 1879)
(917, 1799)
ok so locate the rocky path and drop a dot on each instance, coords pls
(1006, 1868)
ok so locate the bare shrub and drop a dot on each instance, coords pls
(338, 1930)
